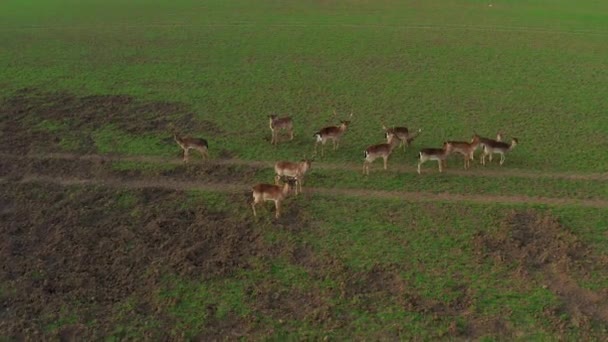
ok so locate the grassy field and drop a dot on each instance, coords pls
(154, 260)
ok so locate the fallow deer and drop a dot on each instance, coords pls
(467, 149)
(438, 154)
(270, 192)
(402, 133)
(498, 147)
(277, 124)
(188, 143)
(483, 141)
(333, 133)
(379, 151)
(293, 170)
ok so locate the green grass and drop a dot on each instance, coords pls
(533, 69)
(233, 61)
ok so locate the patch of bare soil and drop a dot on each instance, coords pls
(82, 249)
(79, 116)
(542, 248)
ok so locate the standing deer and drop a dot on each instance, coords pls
(188, 143)
(333, 133)
(277, 124)
(380, 151)
(402, 133)
(483, 141)
(269, 192)
(467, 149)
(293, 170)
(498, 147)
(438, 154)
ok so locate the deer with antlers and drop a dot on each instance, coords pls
(188, 143)
(270, 192)
(278, 124)
(467, 149)
(402, 133)
(497, 147)
(379, 151)
(438, 154)
(333, 133)
(293, 170)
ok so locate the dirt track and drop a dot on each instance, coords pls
(506, 172)
(362, 193)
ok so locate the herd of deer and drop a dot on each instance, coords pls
(293, 172)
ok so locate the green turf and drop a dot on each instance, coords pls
(533, 69)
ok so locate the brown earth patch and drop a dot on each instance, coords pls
(541, 248)
(84, 250)
(79, 116)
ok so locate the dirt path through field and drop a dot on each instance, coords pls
(477, 172)
(361, 193)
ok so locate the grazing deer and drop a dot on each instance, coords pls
(379, 151)
(438, 154)
(277, 124)
(467, 149)
(499, 147)
(187, 144)
(269, 192)
(293, 170)
(333, 133)
(402, 133)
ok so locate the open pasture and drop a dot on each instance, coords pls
(106, 233)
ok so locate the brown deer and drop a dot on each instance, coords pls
(483, 141)
(270, 192)
(188, 143)
(402, 133)
(333, 133)
(498, 147)
(380, 151)
(277, 124)
(467, 149)
(438, 154)
(293, 170)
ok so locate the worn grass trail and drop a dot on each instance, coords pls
(478, 171)
(361, 193)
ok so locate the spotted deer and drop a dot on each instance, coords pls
(497, 147)
(188, 143)
(438, 154)
(270, 192)
(333, 133)
(467, 149)
(402, 133)
(379, 151)
(293, 170)
(278, 124)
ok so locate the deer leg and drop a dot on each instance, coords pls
(186, 155)
(502, 158)
(419, 163)
(365, 167)
(385, 162)
(277, 205)
(491, 154)
(276, 179)
(291, 134)
(253, 206)
(440, 166)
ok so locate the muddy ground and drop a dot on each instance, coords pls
(79, 251)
